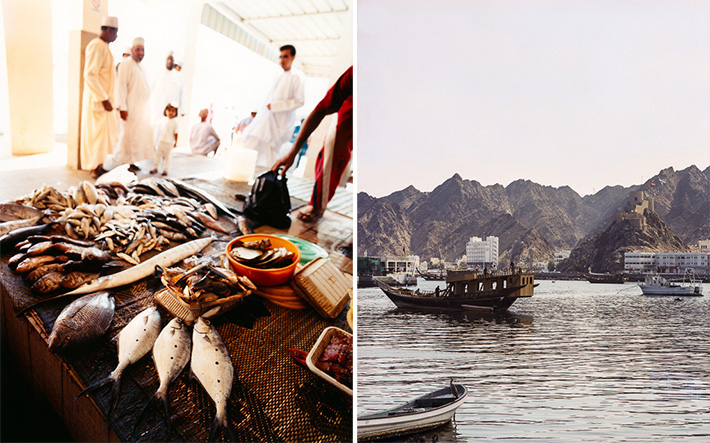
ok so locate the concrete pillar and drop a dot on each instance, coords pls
(86, 25)
(28, 51)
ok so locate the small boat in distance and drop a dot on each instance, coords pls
(421, 414)
(594, 277)
(657, 285)
(432, 276)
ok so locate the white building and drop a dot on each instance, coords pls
(704, 246)
(482, 251)
(561, 255)
(667, 262)
(396, 264)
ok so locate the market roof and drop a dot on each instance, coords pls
(314, 27)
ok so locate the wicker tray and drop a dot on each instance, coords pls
(323, 286)
(317, 349)
(190, 313)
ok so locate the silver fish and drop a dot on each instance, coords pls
(10, 226)
(15, 211)
(134, 341)
(212, 367)
(171, 353)
(83, 320)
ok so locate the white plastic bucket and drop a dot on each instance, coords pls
(240, 164)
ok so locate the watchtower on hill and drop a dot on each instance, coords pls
(636, 206)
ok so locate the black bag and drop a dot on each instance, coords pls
(269, 201)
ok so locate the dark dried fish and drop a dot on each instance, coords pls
(49, 283)
(31, 263)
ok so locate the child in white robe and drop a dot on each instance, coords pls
(167, 140)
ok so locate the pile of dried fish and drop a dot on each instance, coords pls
(47, 197)
(204, 283)
(50, 263)
(260, 254)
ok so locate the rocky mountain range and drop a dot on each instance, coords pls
(531, 220)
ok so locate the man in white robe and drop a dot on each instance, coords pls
(99, 121)
(169, 88)
(273, 125)
(133, 91)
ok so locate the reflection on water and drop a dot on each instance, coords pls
(575, 362)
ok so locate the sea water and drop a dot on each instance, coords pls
(575, 362)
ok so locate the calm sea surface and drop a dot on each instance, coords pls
(576, 362)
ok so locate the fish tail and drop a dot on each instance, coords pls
(140, 415)
(166, 410)
(115, 393)
(95, 386)
(221, 423)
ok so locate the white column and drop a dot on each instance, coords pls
(28, 50)
(86, 25)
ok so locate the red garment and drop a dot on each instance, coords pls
(338, 98)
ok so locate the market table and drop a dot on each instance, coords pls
(273, 398)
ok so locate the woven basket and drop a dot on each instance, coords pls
(323, 286)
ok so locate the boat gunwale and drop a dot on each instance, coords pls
(382, 418)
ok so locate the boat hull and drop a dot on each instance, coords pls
(398, 422)
(681, 291)
(499, 300)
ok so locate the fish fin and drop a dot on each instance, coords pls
(95, 386)
(140, 415)
(166, 411)
(225, 427)
(115, 393)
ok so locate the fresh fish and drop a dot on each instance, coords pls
(212, 367)
(17, 211)
(171, 352)
(134, 341)
(13, 225)
(16, 236)
(223, 226)
(83, 320)
(203, 196)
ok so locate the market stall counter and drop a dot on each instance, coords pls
(273, 398)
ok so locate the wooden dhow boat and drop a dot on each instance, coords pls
(496, 290)
(421, 414)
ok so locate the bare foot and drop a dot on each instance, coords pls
(153, 171)
(310, 214)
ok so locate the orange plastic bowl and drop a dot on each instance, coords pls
(266, 277)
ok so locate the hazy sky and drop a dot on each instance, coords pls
(583, 93)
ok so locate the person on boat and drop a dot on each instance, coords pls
(437, 291)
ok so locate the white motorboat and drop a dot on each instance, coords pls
(421, 414)
(657, 285)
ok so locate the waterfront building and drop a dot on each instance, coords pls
(482, 252)
(561, 255)
(396, 264)
(667, 262)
